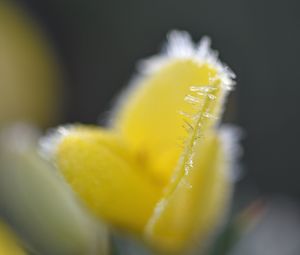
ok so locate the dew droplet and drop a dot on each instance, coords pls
(191, 161)
(201, 94)
(185, 114)
(209, 115)
(211, 96)
(192, 99)
(186, 184)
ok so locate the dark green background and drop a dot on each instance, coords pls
(99, 43)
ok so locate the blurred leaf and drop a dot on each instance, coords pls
(39, 205)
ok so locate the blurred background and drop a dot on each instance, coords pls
(92, 47)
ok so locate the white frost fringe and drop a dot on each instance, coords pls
(179, 45)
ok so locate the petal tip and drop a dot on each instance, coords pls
(180, 45)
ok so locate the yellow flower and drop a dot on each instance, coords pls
(161, 169)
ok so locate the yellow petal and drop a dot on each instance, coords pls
(195, 201)
(148, 115)
(9, 245)
(102, 172)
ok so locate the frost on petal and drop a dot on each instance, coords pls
(196, 200)
(101, 171)
(147, 115)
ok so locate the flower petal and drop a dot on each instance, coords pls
(152, 117)
(195, 202)
(101, 171)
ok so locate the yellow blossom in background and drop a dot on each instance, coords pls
(161, 170)
(30, 76)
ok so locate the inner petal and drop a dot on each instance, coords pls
(154, 118)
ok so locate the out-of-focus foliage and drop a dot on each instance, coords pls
(39, 205)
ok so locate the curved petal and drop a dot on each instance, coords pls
(196, 199)
(100, 170)
(148, 115)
